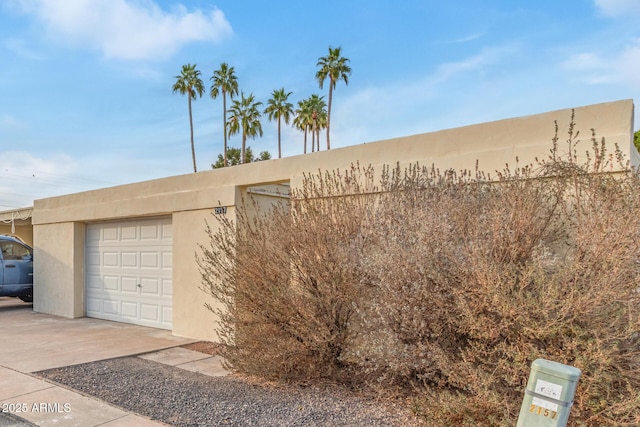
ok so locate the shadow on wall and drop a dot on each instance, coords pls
(59, 300)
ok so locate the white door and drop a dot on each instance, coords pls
(128, 271)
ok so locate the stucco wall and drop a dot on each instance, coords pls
(59, 221)
(491, 144)
(190, 316)
(17, 222)
(59, 266)
(24, 232)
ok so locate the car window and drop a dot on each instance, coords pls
(13, 250)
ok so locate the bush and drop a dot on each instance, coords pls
(286, 280)
(445, 285)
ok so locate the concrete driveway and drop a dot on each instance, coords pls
(31, 342)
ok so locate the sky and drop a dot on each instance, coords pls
(85, 85)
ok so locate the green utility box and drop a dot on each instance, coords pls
(549, 394)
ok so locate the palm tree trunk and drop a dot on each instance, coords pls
(313, 140)
(244, 144)
(279, 147)
(329, 113)
(305, 139)
(224, 118)
(193, 147)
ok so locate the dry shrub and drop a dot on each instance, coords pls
(286, 279)
(446, 285)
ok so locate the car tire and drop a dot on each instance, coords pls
(26, 298)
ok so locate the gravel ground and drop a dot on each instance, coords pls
(181, 398)
(10, 420)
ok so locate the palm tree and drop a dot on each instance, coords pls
(189, 83)
(303, 119)
(278, 108)
(245, 117)
(335, 68)
(321, 123)
(318, 118)
(224, 81)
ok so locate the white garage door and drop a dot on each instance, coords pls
(128, 271)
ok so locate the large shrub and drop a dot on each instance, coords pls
(446, 285)
(287, 280)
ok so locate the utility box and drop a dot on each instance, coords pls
(549, 394)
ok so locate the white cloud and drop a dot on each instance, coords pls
(584, 61)
(25, 177)
(127, 29)
(464, 39)
(144, 73)
(617, 68)
(451, 69)
(23, 164)
(21, 48)
(9, 122)
(618, 8)
(405, 104)
(628, 64)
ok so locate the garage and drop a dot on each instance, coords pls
(129, 271)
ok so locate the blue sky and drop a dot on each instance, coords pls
(85, 85)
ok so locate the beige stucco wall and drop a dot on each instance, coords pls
(24, 232)
(59, 264)
(190, 316)
(20, 221)
(59, 221)
(492, 144)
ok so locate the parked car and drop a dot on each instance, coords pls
(16, 268)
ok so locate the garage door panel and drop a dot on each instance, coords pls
(149, 259)
(130, 309)
(150, 312)
(111, 283)
(94, 281)
(128, 232)
(94, 304)
(129, 271)
(150, 232)
(167, 287)
(167, 314)
(167, 260)
(129, 285)
(93, 235)
(110, 307)
(92, 258)
(129, 259)
(110, 259)
(167, 232)
(109, 233)
(149, 287)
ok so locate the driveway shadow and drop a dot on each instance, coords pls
(12, 304)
